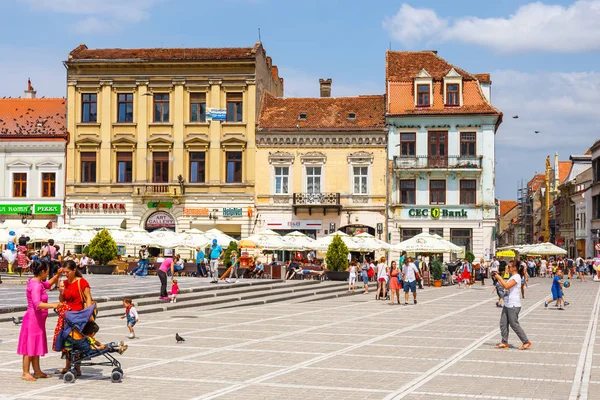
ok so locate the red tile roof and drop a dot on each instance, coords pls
(506, 206)
(322, 113)
(483, 78)
(82, 52)
(403, 67)
(564, 167)
(33, 118)
(536, 181)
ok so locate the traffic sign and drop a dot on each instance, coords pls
(597, 246)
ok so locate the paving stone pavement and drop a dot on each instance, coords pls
(345, 348)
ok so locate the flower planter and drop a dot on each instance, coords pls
(437, 283)
(337, 275)
(101, 269)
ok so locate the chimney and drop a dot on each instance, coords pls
(29, 93)
(325, 87)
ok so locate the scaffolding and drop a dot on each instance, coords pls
(524, 226)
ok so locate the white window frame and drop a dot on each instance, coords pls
(20, 167)
(321, 177)
(453, 78)
(354, 176)
(275, 176)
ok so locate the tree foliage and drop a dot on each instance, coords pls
(227, 256)
(436, 269)
(337, 255)
(102, 248)
(470, 257)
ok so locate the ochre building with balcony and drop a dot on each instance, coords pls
(321, 164)
(441, 151)
(165, 138)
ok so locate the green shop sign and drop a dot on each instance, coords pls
(232, 212)
(436, 213)
(160, 204)
(16, 209)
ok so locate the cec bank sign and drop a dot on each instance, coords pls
(437, 213)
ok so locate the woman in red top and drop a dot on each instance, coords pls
(76, 294)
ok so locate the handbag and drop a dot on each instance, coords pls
(95, 313)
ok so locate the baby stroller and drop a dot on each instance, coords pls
(82, 352)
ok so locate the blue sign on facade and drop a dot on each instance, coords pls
(216, 114)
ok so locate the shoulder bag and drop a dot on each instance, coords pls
(95, 313)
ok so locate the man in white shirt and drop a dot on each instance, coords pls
(409, 276)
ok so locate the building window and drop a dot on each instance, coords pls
(197, 167)
(198, 107)
(408, 144)
(437, 192)
(160, 163)
(423, 95)
(161, 107)
(302, 117)
(408, 191)
(468, 194)
(124, 167)
(88, 167)
(437, 231)
(361, 175)
(452, 94)
(313, 179)
(234, 167)
(282, 179)
(125, 107)
(234, 107)
(462, 237)
(468, 144)
(20, 184)
(89, 107)
(48, 184)
(406, 234)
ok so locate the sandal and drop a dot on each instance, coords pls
(30, 378)
(42, 376)
(62, 371)
(502, 346)
(525, 346)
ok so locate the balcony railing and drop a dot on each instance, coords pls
(314, 200)
(158, 189)
(432, 162)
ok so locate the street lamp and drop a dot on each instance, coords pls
(331, 227)
(379, 229)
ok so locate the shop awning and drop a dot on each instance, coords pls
(18, 224)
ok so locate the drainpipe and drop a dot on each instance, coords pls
(67, 141)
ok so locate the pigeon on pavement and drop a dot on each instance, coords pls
(16, 320)
(178, 338)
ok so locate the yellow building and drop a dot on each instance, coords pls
(164, 138)
(321, 163)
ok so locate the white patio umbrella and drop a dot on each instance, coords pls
(323, 243)
(222, 238)
(424, 244)
(455, 248)
(193, 238)
(544, 249)
(130, 237)
(164, 238)
(34, 234)
(68, 234)
(268, 240)
(369, 243)
(299, 241)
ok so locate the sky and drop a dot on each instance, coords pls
(544, 57)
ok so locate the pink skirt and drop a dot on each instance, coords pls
(32, 339)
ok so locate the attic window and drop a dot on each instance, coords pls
(302, 117)
(351, 115)
(39, 124)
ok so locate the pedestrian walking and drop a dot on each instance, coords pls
(131, 314)
(395, 285)
(581, 269)
(235, 263)
(200, 263)
(216, 252)
(162, 275)
(409, 276)
(511, 308)
(466, 269)
(382, 277)
(483, 267)
(174, 290)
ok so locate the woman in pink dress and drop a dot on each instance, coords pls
(32, 339)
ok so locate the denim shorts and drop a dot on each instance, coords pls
(130, 321)
(410, 286)
(365, 278)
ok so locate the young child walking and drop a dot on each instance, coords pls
(174, 291)
(557, 291)
(131, 314)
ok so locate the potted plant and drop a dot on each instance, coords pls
(436, 272)
(336, 260)
(102, 250)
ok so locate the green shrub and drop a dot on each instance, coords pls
(227, 256)
(436, 269)
(102, 248)
(470, 257)
(337, 255)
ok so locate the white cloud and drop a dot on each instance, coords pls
(533, 27)
(301, 84)
(98, 16)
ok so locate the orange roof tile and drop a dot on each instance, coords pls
(506, 206)
(403, 67)
(32, 118)
(82, 52)
(322, 113)
(564, 167)
(536, 181)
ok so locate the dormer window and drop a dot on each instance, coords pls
(302, 117)
(452, 94)
(423, 95)
(351, 115)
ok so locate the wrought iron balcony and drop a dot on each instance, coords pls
(433, 162)
(158, 189)
(316, 200)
